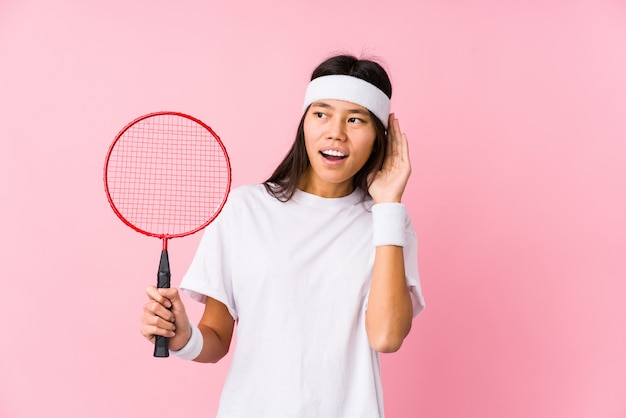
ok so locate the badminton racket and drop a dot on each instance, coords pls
(167, 175)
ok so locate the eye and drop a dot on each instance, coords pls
(320, 115)
(355, 120)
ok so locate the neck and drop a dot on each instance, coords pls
(324, 189)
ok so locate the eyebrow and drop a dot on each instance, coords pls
(364, 112)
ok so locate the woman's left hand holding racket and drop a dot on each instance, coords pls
(164, 314)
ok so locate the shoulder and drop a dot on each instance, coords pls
(249, 195)
(248, 191)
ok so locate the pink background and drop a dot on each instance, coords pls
(515, 113)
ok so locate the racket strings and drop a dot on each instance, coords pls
(168, 175)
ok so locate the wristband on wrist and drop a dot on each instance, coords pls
(389, 220)
(192, 349)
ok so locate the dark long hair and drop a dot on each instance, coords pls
(282, 183)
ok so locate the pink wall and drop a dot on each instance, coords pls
(515, 114)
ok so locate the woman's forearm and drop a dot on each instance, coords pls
(389, 310)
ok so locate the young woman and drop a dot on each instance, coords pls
(317, 266)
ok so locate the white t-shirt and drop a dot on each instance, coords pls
(295, 276)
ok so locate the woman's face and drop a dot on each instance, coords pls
(339, 137)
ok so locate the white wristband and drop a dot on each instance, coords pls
(389, 223)
(192, 349)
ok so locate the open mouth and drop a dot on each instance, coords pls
(333, 155)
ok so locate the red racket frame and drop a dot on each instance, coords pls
(165, 237)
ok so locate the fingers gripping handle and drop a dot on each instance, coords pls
(163, 281)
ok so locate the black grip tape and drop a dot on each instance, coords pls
(161, 343)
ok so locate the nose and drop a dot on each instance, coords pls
(336, 129)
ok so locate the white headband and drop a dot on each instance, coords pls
(350, 89)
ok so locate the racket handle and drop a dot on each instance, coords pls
(161, 348)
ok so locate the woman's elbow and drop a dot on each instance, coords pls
(386, 346)
(387, 342)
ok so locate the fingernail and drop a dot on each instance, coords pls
(167, 303)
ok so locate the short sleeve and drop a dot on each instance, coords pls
(210, 272)
(411, 269)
